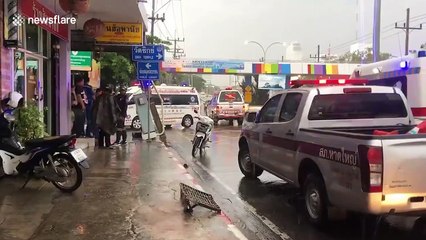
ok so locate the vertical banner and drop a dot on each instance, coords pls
(12, 22)
(95, 74)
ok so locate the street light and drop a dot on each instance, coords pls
(265, 51)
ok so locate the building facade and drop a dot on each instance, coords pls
(37, 63)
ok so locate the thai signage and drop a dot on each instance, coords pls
(45, 18)
(122, 33)
(81, 60)
(235, 65)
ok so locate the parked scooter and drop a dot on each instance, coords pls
(53, 159)
(203, 131)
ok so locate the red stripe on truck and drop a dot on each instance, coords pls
(419, 112)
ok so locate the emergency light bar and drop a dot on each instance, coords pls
(326, 82)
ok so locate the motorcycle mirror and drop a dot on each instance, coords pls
(9, 117)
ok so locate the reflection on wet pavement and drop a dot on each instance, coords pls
(131, 192)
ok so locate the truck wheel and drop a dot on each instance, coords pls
(247, 167)
(315, 199)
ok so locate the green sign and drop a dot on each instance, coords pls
(81, 60)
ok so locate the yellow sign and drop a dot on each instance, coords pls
(248, 95)
(95, 74)
(123, 33)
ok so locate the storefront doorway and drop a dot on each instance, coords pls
(29, 78)
(34, 81)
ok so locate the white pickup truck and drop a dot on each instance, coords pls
(320, 138)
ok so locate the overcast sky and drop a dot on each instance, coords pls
(218, 28)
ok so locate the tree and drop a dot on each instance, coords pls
(158, 41)
(365, 56)
(177, 79)
(116, 69)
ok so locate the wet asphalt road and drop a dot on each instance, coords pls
(273, 200)
(132, 192)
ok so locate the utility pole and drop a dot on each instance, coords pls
(318, 55)
(154, 18)
(176, 50)
(406, 27)
(376, 30)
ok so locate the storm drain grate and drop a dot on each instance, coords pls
(191, 197)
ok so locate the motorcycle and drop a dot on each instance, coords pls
(203, 131)
(54, 159)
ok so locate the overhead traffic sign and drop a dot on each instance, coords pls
(148, 70)
(148, 53)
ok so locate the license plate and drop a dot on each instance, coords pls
(79, 155)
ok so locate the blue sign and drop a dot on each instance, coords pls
(236, 65)
(148, 70)
(148, 53)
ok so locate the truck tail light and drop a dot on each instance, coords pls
(371, 162)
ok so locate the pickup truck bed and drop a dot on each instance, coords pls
(364, 132)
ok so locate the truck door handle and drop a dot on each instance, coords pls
(268, 131)
(289, 133)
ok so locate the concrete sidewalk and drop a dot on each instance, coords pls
(131, 192)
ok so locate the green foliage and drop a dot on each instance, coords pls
(158, 41)
(365, 56)
(116, 69)
(29, 122)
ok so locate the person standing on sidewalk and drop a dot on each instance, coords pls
(79, 109)
(95, 126)
(89, 109)
(105, 117)
(121, 100)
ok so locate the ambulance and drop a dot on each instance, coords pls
(407, 73)
(178, 107)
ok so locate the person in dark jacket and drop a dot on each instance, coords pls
(122, 103)
(105, 117)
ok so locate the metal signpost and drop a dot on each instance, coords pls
(148, 58)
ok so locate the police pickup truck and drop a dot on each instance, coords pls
(320, 138)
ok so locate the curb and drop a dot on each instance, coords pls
(85, 143)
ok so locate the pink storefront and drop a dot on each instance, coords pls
(35, 60)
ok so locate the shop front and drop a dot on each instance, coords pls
(39, 65)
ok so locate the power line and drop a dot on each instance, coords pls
(385, 29)
(163, 6)
(176, 49)
(174, 16)
(181, 19)
(407, 29)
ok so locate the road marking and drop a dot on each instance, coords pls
(170, 153)
(237, 233)
(175, 159)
